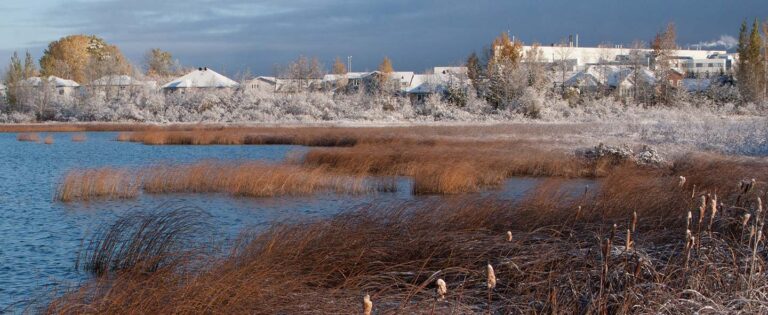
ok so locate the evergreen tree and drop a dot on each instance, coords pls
(475, 72)
(13, 76)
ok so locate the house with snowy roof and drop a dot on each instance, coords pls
(200, 79)
(3, 90)
(62, 87)
(262, 84)
(119, 85)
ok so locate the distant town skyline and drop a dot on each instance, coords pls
(240, 35)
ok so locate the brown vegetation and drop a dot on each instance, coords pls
(89, 184)
(79, 137)
(29, 137)
(48, 139)
(621, 248)
(246, 179)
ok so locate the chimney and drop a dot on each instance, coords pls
(570, 40)
(199, 69)
(205, 69)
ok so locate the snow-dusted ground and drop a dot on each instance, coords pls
(692, 124)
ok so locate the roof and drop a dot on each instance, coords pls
(696, 85)
(201, 78)
(118, 80)
(423, 84)
(55, 81)
(451, 70)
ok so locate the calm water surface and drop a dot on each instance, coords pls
(40, 238)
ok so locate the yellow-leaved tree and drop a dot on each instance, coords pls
(82, 58)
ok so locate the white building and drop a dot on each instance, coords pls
(122, 82)
(62, 86)
(202, 78)
(262, 84)
(3, 90)
(583, 56)
(702, 67)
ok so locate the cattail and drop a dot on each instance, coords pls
(682, 181)
(509, 236)
(442, 289)
(693, 193)
(714, 206)
(688, 221)
(367, 305)
(702, 209)
(634, 221)
(745, 221)
(491, 278)
(629, 239)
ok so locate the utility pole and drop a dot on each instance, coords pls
(349, 63)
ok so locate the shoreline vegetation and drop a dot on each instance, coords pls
(679, 235)
(680, 240)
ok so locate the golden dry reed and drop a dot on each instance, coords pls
(89, 184)
(247, 179)
(48, 139)
(28, 137)
(79, 137)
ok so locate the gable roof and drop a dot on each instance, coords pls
(118, 80)
(55, 81)
(201, 78)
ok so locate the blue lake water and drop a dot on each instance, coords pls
(40, 238)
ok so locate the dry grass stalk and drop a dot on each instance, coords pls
(28, 137)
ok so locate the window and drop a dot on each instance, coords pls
(699, 65)
(61, 91)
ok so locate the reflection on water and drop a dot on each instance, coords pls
(40, 238)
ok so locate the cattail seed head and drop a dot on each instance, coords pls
(634, 221)
(491, 277)
(367, 305)
(509, 236)
(745, 221)
(629, 239)
(442, 288)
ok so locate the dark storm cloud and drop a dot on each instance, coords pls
(238, 35)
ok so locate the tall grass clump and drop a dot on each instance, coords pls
(107, 183)
(28, 137)
(143, 241)
(241, 179)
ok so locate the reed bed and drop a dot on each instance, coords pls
(28, 137)
(99, 183)
(242, 179)
(586, 254)
(79, 137)
(450, 167)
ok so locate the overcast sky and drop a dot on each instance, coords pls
(239, 35)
